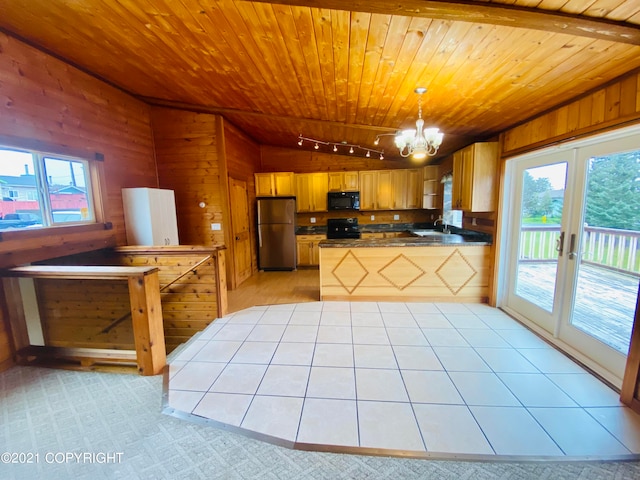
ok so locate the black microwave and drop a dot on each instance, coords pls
(343, 200)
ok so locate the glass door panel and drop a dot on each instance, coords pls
(607, 266)
(541, 208)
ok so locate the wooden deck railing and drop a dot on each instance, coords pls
(606, 247)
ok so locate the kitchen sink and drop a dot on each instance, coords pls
(427, 233)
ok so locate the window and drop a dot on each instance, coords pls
(449, 216)
(43, 190)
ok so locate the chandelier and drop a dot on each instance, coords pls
(420, 142)
(336, 147)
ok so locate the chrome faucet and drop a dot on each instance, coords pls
(445, 227)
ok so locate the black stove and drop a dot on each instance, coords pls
(342, 228)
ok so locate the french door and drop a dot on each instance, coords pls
(572, 265)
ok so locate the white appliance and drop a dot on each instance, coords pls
(150, 216)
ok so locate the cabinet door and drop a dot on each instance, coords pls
(384, 190)
(264, 184)
(350, 183)
(304, 252)
(336, 181)
(398, 189)
(367, 190)
(303, 192)
(414, 189)
(319, 188)
(283, 182)
(468, 166)
(483, 181)
(314, 252)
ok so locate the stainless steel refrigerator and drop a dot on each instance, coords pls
(277, 233)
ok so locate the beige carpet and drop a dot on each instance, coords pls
(55, 412)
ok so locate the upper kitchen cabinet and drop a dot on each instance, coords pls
(343, 181)
(474, 177)
(278, 184)
(431, 187)
(390, 189)
(150, 216)
(410, 183)
(311, 192)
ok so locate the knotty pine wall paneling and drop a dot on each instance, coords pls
(277, 159)
(242, 156)
(49, 105)
(608, 107)
(189, 163)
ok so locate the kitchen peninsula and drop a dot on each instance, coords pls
(434, 267)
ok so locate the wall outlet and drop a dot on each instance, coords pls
(216, 226)
(373, 217)
(396, 217)
(312, 219)
(473, 221)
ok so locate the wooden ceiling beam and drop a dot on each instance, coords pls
(489, 13)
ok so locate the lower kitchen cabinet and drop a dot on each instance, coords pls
(308, 250)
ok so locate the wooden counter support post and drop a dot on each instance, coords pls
(146, 315)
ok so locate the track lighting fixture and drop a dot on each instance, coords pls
(337, 146)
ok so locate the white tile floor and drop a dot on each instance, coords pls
(419, 378)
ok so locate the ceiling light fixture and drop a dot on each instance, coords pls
(420, 142)
(336, 146)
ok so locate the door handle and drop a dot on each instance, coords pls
(237, 238)
(560, 244)
(572, 247)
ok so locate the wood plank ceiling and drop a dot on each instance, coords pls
(343, 70)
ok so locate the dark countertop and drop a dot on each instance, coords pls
(311, 230)
(457, 236)
(430, 241)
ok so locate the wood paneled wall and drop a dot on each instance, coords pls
(607, 107)
(188, 158)
(53, 106)
(242, 157)
(275, 159)
(49, 105)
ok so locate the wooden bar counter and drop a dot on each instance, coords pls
(439, 268)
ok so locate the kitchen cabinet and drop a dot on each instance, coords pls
(276, 184)
(343, 181)
(410, 183)
(308, 250)
(311, 192)
(475, 170)
(368, 190)
(390, 189)
(431, 187)
(150, 216)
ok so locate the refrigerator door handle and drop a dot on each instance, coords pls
(259, 236)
